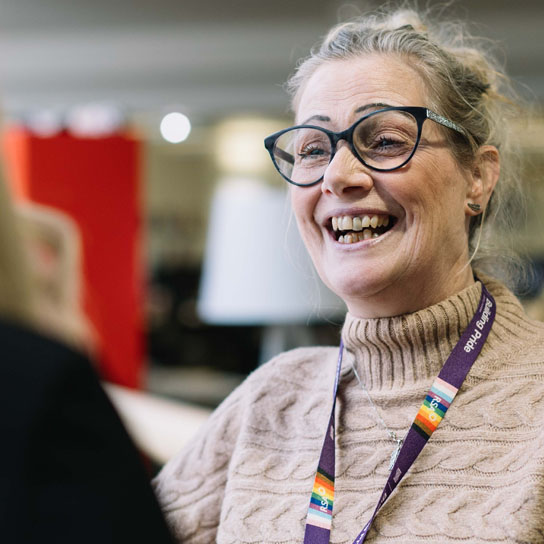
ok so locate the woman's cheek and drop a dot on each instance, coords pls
(303, 201)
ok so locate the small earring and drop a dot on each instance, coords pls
(474, 207)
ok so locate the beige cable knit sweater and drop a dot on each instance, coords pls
(248, 475)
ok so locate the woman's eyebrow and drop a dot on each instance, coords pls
(323, 118)
(372, 106)
(326, 119)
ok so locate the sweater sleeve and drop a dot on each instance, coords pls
(191, 486)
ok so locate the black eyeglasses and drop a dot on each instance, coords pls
(383, 140)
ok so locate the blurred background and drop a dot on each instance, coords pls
(159, 232)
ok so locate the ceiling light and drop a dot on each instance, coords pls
(175, 127)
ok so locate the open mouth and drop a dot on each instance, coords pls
(348, 229)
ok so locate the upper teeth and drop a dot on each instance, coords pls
(347, 222)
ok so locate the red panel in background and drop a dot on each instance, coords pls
(96, 182)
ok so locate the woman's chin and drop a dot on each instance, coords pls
(359, 286)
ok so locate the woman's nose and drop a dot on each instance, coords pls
(346, 175)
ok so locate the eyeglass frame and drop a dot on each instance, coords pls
(420, 114)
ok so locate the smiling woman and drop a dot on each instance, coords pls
(425, 244)
(398, 187)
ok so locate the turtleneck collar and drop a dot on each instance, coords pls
(408, 350)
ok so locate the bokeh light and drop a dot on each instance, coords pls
(175, 127)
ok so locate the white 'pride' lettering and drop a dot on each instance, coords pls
(476, 335)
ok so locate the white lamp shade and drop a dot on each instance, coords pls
(256, 269)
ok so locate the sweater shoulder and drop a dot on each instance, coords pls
(515, 338)
(309, 368)
(191, 486)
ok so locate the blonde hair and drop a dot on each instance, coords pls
(24, 297)
(466, 85)
(57, 281)
(15, 292)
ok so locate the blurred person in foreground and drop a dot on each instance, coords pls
(68, 470)
(427, 423)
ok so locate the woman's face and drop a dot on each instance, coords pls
(420, 256)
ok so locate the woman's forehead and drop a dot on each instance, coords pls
(340, 89)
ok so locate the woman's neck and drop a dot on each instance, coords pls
(408, 297)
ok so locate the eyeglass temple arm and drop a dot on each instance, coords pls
(284, 156)
(445, 122)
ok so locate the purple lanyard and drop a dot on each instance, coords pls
(432, 411)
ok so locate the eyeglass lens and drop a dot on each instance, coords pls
(384, 140)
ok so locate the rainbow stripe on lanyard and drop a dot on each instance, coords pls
(432, 411)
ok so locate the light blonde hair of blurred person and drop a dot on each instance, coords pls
(26, 299)
(56, 282)
(16, 300)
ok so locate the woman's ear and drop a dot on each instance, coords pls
(485, 174)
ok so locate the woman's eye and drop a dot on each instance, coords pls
(311, 150)
(387, 142)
